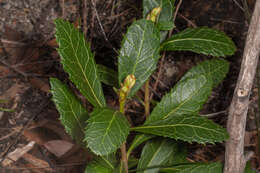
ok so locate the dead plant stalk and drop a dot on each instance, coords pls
(235, 158)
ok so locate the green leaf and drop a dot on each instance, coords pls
(195, 168)
(190, 128)
(166, 14)
(165, 26)
(106, 131)
(72, 114)
(139, 53)
(201, 40)
(139, 139)
(187, 97)
(180, 156)
(156, 152)
(107, 75)
(102, 164)
(78, 61)
(166, 5)
(132, 162)
(96, 167)
(216, 69)
(199, 167)
(120, 168)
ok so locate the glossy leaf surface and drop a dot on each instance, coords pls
(107, 129)
(156, 152)
(102, 164)
(139, 53)
(195, 168)
(187, 97)
(164, 17)
(72, 114)
(78, 61)
(201, 40)
(180, 156)
(200, 167)
(107, 75)
(139, 139)
(216, 69)
(165, 26)
(190, 128)
(95, 167)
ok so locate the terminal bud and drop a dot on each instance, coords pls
(154, 14)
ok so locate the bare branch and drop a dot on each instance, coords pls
(235, 159)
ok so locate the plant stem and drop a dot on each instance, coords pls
(124, 157)
(123, 146)
(147, 99)
(122, 105)
(235, 158)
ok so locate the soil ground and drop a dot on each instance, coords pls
(28, 58)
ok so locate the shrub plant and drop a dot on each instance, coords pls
(173, 121)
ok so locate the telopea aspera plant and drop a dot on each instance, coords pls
(174, 120)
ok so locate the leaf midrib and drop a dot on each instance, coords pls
(107, 161)
(193, 39)
(74, 114)
(181, 104)
(157, 151)
(77, 60)
(108, 127)
(171, 125)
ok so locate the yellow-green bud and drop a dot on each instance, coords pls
(154, 14)
(129, 82)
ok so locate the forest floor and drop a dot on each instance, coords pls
(28, 57)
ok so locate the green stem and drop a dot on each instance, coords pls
(123, 146)
(147, 99)
(122, 106)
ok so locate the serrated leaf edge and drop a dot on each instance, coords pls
(59, 108)
(211, 141)
(77, 59)
(230, 44)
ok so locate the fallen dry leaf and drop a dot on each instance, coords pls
(41, 84)
(58, 147)
(36, 162)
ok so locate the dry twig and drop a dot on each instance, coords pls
(235, 158)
